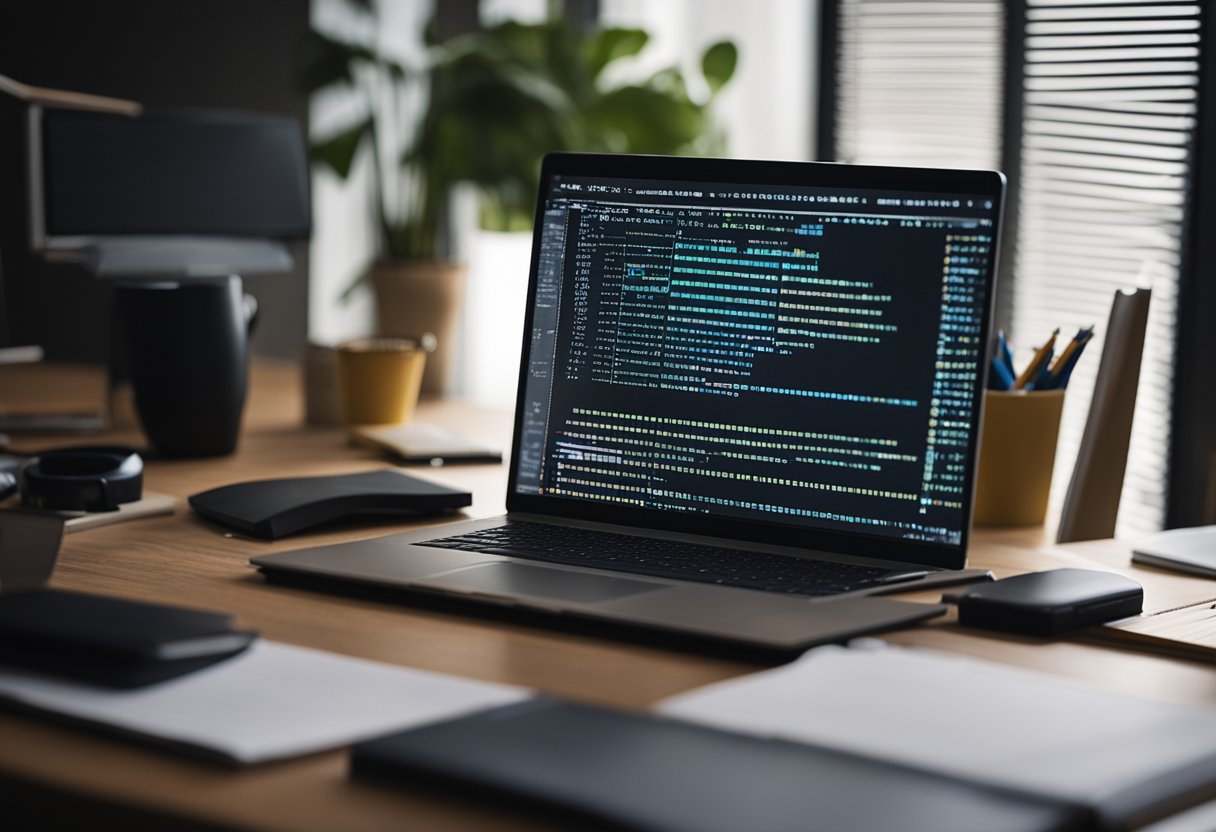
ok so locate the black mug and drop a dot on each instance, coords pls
(187, 354)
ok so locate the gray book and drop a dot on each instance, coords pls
(1184, 550)
(1092, 502)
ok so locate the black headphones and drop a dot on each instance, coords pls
(82, 479)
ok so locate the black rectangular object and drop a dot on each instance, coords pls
(175, 171)
(111, 641)
(649, 773)
(277, 508)
(1050, 603)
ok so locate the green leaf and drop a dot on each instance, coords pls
(609, 45)
(670, 82)
(637, 119)
(338, 152)
(498, 99)
(718, 64)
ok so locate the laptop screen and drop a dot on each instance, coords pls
(807, 355)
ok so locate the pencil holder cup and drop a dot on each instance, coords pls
(1017, 454)
(380, 379)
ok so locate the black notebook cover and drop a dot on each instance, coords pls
(649, 773)
(111, 641)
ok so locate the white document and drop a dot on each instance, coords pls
(974, 720)
(270, 702)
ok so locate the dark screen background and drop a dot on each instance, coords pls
(175, 173)
(808, 362)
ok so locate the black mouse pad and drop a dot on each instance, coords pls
(277, 508)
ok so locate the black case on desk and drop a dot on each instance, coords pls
(1051, 602)
(277, 508)
(112, 641)
(641, 772)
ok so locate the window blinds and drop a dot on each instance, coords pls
(919, 83)
(1106, 125)
(1107, 118)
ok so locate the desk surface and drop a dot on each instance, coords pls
(182, 559)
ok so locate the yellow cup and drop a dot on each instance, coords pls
(1017, 454)
(380, 379)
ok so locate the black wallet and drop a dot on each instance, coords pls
(644, 772)
(111, 641)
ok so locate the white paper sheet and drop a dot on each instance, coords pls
(972, 720)
(272, 701)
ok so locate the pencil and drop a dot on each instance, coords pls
(1066, 357)
(1041, 357)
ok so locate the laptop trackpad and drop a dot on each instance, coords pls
(518, 579)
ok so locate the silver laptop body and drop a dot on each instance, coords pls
(767, 358)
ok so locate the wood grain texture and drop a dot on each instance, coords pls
(183, 559)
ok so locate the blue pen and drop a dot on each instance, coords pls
(1001, 378)
(1006, 354)
(1066, 370)
(1045, 377)
(1060, 374)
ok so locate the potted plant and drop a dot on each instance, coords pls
(498, 99)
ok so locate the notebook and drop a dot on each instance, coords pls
(646, 773)
(1191, 550)
(111, 641)
(1130, 759)
(271, 702)
(822, 743)
(748, 396)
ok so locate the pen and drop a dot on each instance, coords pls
(1067, 358)
(1001, 378)
(1006, 354)
(1042, 380)
(1066, 371)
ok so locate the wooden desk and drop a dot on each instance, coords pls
(182, 559)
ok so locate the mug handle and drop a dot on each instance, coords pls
(251, 312)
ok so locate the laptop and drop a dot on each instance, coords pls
(749, 398)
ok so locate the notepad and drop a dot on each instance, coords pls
(272, 702)
(423, 444)
(1188, 631)
(1128, 758)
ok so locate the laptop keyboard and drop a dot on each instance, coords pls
(672, 559)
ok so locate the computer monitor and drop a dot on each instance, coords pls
(179, 192)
